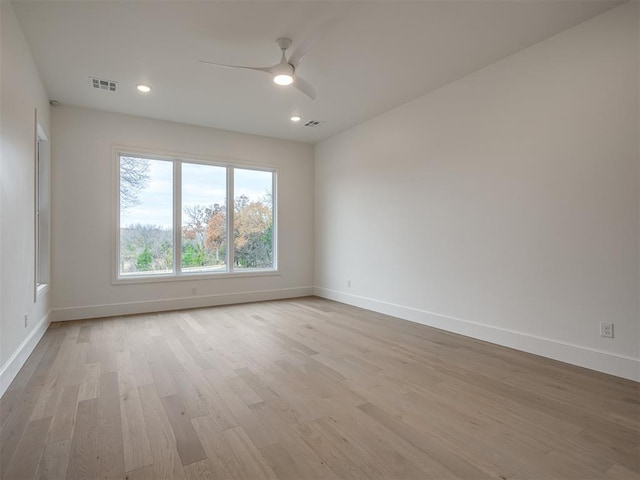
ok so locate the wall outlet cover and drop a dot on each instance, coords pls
(606, 329)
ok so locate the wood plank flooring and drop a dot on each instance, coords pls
(306, 389)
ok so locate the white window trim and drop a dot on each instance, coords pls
(176, 158)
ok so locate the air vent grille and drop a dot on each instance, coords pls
(102, 84)
(313, 123)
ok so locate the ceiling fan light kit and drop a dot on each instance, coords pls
(283, 79)
(283, 73)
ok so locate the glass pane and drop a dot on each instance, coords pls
(42, 217)
(253, 219)
(146, 216)
(204, 218)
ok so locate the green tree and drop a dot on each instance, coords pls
(156, 240)
(193, 256)
(144, 260)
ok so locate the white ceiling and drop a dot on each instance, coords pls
(377, 55)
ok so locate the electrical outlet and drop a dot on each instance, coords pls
(606, 329)
(26, 320)
(348, 283)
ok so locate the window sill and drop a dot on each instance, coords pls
(41, 289)
(193, 277)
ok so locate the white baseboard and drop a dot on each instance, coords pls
(13, 365)
(147, 306)
(606, 362)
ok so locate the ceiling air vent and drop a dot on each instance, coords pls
(313, 123)
(101, 84)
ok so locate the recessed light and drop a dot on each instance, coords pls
(144, 88)
(296, 118)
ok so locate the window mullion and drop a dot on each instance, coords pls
(230, 203)
(177, 217)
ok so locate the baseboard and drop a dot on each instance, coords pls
(606, 362)
(13, 365)
(147, 306)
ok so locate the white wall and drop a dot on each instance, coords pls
(504, 206)
(21, 93)
(83, 233)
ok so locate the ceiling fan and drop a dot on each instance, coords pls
(283, 73)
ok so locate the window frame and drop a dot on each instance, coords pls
(177, 160)
(41, 201)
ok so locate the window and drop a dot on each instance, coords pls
(41, 213)
(204, 218)
(146, 216)
(253, 219)
(175, 219)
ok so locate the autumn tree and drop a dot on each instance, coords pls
(216, 233)
(196, 219)
(253, 221)
(205, 233)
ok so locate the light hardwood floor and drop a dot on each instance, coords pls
(301, 389)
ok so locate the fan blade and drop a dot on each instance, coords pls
(307, 44)
(304, 87)
(223, 65)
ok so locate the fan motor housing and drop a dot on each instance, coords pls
(283, 43)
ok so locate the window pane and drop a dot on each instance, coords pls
(38, 212)
(204, 218)
(42, 215)
(146, 216)
(253, 219)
